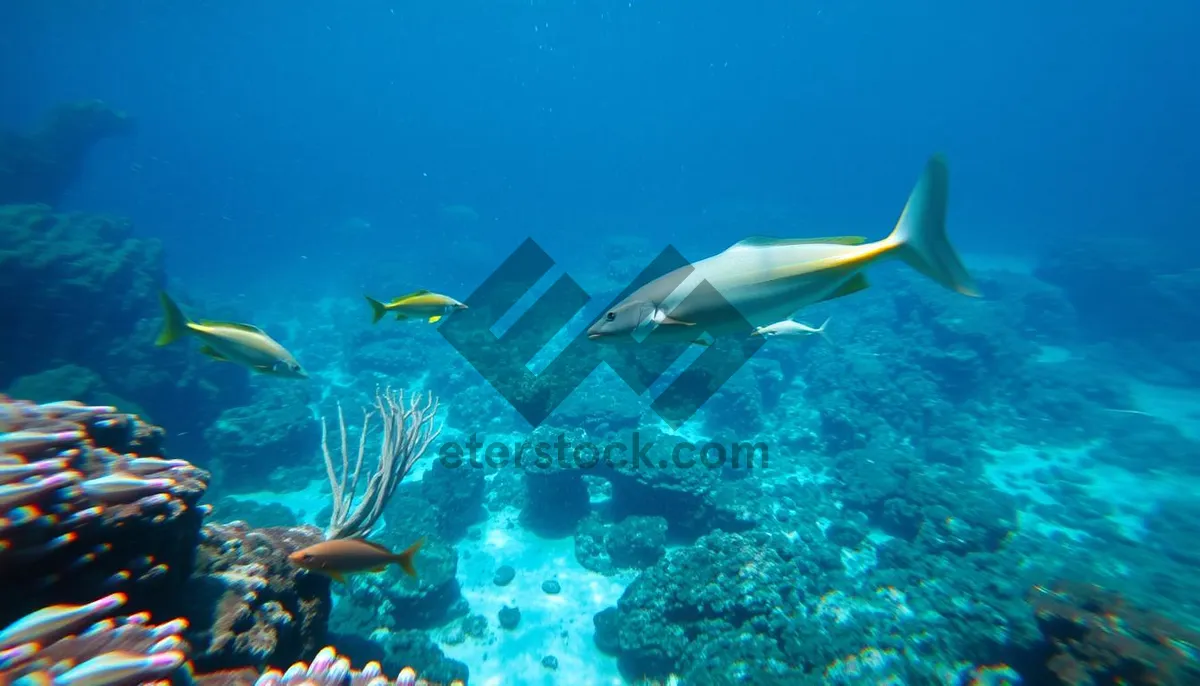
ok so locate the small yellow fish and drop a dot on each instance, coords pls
(242, 344)
(341, 556)
(418, 304)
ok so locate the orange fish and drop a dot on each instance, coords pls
(341, 556)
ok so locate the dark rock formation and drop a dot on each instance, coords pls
(40, 166)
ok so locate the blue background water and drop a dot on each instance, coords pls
(301, 154)
(268, 125)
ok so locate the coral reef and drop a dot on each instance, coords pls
(252, 440)
(328, 669)
(91, 275)
(634, 542)
(1098, 637)
(86, 503)
(39, 167)
(417, 649)
(669, 621)
(367, 612)
(257, 514)
(637, 541)
(915, 491)
(248, 605)
(788, 608)
(657, 478)
(941, 505)
(71, 645)
(71, 381)
(391, 598)
(1101, 276)
(65, 644)
(455, 496)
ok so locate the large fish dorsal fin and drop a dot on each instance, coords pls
(377, 546)
(768, 241)
(857, 283)
(234, 325)
(414, 294)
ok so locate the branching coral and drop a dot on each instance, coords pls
(75, 645)
(1098, 637)
(327, 669)
(86, 502)
(44, 648)
(408, 430)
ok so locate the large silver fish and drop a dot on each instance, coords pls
(766, 280)
(242, 344)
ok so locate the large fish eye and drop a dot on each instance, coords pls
(610, 316)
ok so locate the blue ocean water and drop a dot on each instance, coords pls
(932, 457)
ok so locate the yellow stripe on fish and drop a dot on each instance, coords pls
(420, 304)
(242, 344)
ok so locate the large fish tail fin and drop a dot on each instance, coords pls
(820, 331)
(920, 235)
(175, 324)
(379, 308)
(405, 559)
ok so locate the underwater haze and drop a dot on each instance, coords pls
(931, 416)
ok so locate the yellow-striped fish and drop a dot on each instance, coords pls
(418, 305)
(241, 344)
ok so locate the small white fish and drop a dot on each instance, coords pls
(791, 328)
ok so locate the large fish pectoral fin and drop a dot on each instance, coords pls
(213, 353)
(337, 576)
(856, 283)
(435, 318)
(671, 321)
